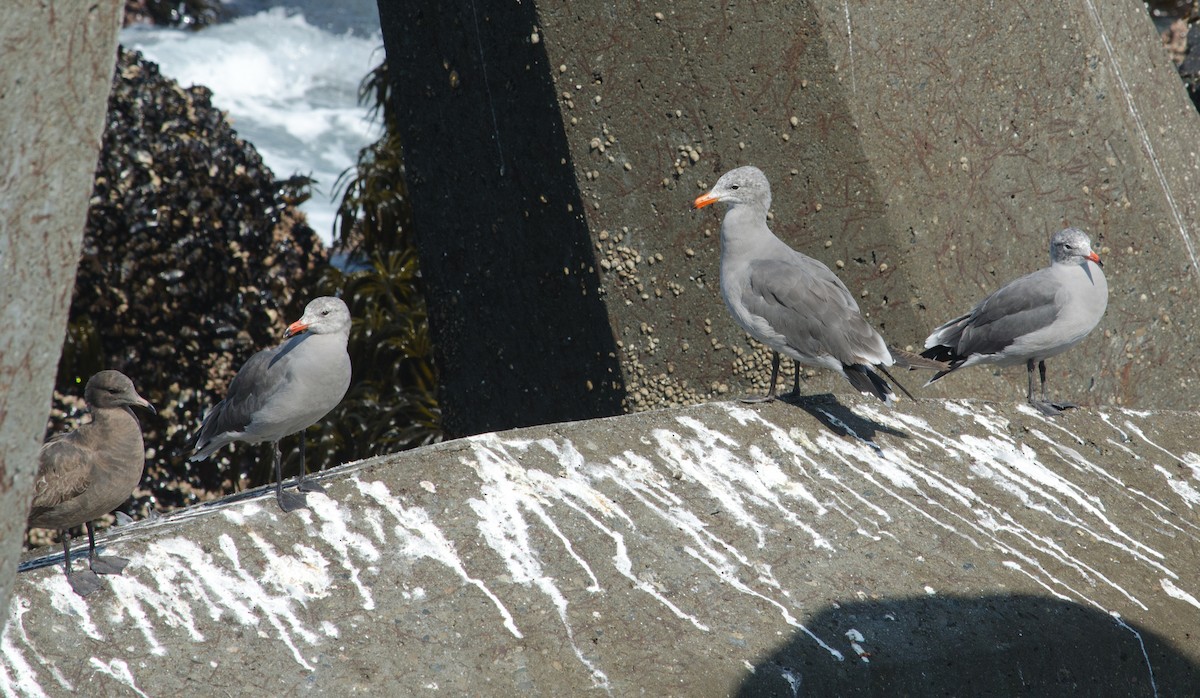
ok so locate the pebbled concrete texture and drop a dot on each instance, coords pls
(927, 148)
(826, 547)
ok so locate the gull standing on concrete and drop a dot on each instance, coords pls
(789, 301)
(284, 390)
(86, 473)
(1031, 319)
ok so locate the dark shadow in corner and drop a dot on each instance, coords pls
(520, 331)
(992, 646)
(840, 419)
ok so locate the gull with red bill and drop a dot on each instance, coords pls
(1032, 318)
(791, 302)
(285, 390)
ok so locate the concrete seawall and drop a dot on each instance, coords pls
(826, 547)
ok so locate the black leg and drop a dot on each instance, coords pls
(66, 541)
(774, 376)
(82, 582)
(1050, 409)
(795, 382)
(1029, 373)
(288, 501)
(108, 564)
(303, 483)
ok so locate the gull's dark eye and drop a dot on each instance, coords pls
(734, 186)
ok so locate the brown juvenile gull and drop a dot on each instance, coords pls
(86, 473)
(787, 300)
(284, 390)
(1031, 319)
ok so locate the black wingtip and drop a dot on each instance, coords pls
(898, 383)
(867, 381)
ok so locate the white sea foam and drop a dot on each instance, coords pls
(290, 89)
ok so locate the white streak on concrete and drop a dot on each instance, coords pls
(506, 492)
(240, 515)
(129, 604)
(335, 531)
(728, 573)
(23, 681)
(1177, 593)
(1056, 593)
(64, 600)
(1145, 655)
(1134, 428)
(1032, 475)
(856, 638)
(421, 538)
(1182, 488)
(276, 610)
(301, 576)
(118, 670)
(578, 500)
(1046, 545)
(850, 47)
(1015, 469)
(710, 459)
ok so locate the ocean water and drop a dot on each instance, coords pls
(288, 78)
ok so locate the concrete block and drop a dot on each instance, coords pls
(812, 549)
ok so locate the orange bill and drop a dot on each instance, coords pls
(704, 200)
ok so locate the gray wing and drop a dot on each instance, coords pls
(1023, 306)
(250, 389)
(813, 309)
(64, 470)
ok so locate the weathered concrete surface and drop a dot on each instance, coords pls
(943, 548)
(931, 148)
(54, 79)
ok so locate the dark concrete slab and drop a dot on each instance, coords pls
(822, 548)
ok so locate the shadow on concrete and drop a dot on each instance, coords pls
(840, 419)
(990, 646)
(520, 330)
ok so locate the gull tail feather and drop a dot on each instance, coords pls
(868, 382)
(912, 360)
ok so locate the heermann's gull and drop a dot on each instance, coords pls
(284, 390)
(1031, 319)
(787, 300)
(86, 473)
